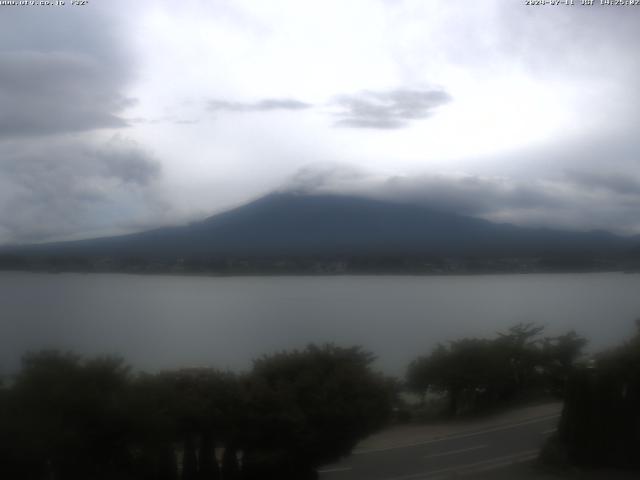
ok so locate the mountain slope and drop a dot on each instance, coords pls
(308, 225)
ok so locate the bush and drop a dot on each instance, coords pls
(600, 424)
(311, 407)
(479, 374)
(70, 418)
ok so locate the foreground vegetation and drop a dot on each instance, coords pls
(64, 417)
(600, 424)
(477, 374)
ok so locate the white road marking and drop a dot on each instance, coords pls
(469, 468)
(453, 452)
(547, 432)
(457, 436)
(334, 470)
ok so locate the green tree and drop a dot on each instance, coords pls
(600, 423)
(186, 411)
(471, 372)
(311, 407)
(477, 374)
(560, 356)
(521, 346)
(67, 417)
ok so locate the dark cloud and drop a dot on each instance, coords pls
(389, 109)
(368, 109)
(560, 202)
(266, 105)
(62, 71)
(44, 93)
(580, 200)
(314, 178)
(472, 195)
(50, 189)
(600, 36)
(618, 183)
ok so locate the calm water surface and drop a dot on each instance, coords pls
(167, 321)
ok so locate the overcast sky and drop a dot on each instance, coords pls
(118, 116)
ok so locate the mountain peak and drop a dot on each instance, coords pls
(299, 224)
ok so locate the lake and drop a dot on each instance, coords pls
(157, 322)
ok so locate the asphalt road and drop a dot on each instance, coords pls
(459, 454)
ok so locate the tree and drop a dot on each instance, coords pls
(468, 371)
(560, 355)
(600, 423)
(521, 344)
(189, 411)
(66, 417)
(477, 373)
(311, 407)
